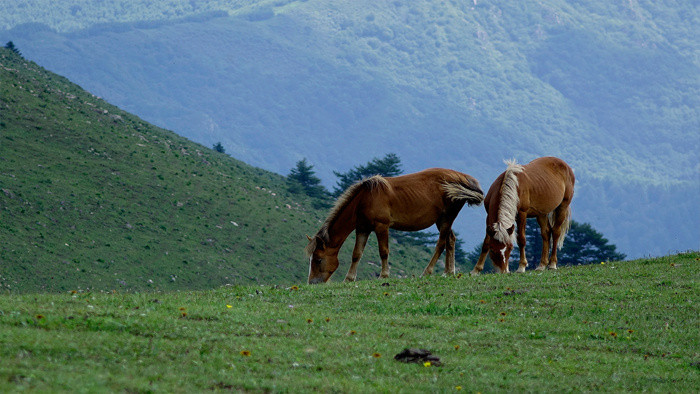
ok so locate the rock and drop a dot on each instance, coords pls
(419, 356)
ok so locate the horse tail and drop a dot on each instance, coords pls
(464, 189)
(564, 226)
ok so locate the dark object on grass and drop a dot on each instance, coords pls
(419, 356)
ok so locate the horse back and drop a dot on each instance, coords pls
(412, 201)
(545, 183)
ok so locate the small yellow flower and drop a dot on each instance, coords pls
(73, 291)
(229, 306)
(376, 355)
(458, 388)
(427, 364)
(459, 275)
(245, 353)
(503, 313)
(482, 301)
(183, 314)
(352, 332)
(673, 264)
(613, 334)
(456, 347)
(39, 317)
(386, 294)
(294, 288)
(309, 321)
(328, 319)
(602, 263)
(630, 331)
(501, 320)
(182, 309)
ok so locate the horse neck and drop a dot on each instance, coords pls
(340, 227)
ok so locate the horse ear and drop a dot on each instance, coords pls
(490, 231)
(319, 243)
(511, 229)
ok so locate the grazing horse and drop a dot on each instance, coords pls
(408, 203)
(542, 189)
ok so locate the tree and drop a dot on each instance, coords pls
(583, 245)
(11, 46)
(219, 148)
(302, 179)
(389, 165)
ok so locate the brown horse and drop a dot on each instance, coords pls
(542, 189)
(408, 203)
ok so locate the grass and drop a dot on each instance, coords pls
(614, 326)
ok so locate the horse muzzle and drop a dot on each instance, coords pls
(314, 281)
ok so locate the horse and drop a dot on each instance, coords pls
(542, 189)
(410, 202)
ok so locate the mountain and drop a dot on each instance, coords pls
(92, 197)
(611, 88)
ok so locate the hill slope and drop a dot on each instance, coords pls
(612, 89)
(94, 197)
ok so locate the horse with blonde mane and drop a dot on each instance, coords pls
(410, 202)
(542, 189)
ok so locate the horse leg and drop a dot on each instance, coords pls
(522, 221)
(450, 253)
(561, 223)
(439, 247)
(546, 233)
(482, 257)
(360, 242)
(382, 232)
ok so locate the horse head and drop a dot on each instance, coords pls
(323, 261)
(500, 246)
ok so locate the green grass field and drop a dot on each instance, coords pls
(613, 326)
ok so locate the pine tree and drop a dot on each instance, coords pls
(302, 179)
(11, 46)
(389, 165)
(219, 148)
(585, 245)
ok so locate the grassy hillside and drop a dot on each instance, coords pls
(92, 197)
(613, 327)
(611, 88)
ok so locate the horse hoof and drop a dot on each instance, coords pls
(520, 270)
(348, 280)
(474, 273)
(539, 268)
(552, 267)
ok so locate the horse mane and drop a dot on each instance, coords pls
(372, 183)
(509, 201)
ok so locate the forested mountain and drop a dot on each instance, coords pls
(611, 87)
